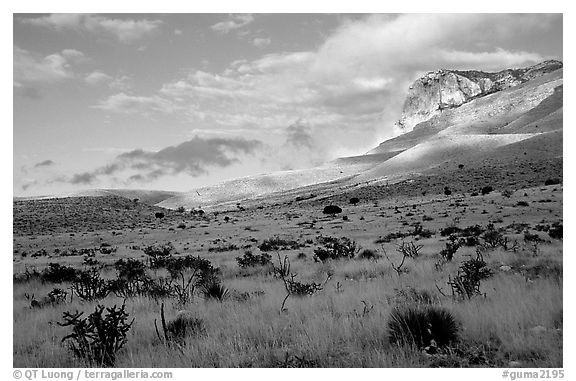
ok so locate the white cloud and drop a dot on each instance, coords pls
(260, 42)
(123, 103)
(97, 78)
(349, 91)
(30, 67)
(234, 22)
(124, 30)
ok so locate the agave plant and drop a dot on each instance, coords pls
(215, 291)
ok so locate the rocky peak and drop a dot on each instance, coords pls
(443, 89)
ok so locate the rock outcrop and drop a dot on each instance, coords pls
(444, 89)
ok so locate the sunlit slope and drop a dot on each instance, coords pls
(267, 184)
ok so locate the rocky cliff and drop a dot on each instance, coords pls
(444, 89)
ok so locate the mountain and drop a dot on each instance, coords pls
(445, 89)
(451, 119)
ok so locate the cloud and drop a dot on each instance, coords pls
(123, 103)
(234, 22)
(124, 30)
(30, 67)
(45, 163)
(298, 135)
(97, 78)
(261, 42)
(194, 157)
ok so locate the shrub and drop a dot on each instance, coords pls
(354, 200)
(251, 260)
(97, 338)
(332, 209)
(555, 231)
(369, 254)
(89, 285)
(422, 326)
(276, 243)
(554, 181)
(215, 291)
(452, 247)
(522, 203)
(57, 273)
(130, 269)
(224, 248)
(159, 215)
(185, 324)
(493, 237)
(409, 249)
(467, 282)
(158, 256)
(181, 209)
(507, 193)
(485, 190)
(335, 248)
(447, 191)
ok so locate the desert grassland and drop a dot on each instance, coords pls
(517, 319)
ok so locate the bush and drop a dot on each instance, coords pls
(467, 282)
(354, 200)
(332, 209)
(335, 248)
(97, 338)
(369, 254)
(185, 324)
(57, 273)
(556, 231)
(159, 215)
(215, 291)
(130, 269)
(485, 190)
(447, 191)
(492, 237)
(89, 285)
(522, 203)
(452, 247)
(422, 326)
(158, 256)
(277, 243)
(554, 181)
(251, 260)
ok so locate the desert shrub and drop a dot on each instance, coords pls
(334, 248)
(57, 273)
(276, 243)
(419, 231)
(466, 283)
(332, 209)
(507, 193)
(183, 325)
(158, 255)
(369, 254)
(107, 249)
(422, 326)
(159, 215)
(409, 249)
(555, 231)
(130, 269)
(354, 200)
(89, 285)
(522, 203)
(98, 337)
(56, 296)
(554, 181)
(215, 291)
(447, 191)
(297, 288)
(473, 194)
(492, 237)
(188, 273)
(529, 237)
(451, 248)
(301, 256)
(391, 236)
(181, 225)
(486, 190)
(181, 209)
(223, 248)
(251, 260)
(411, 295)
(159, 288)
(27, 276)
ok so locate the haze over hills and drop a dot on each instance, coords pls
(450, 119)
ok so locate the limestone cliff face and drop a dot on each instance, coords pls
(444, 89)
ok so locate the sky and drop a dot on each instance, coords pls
(180, 101)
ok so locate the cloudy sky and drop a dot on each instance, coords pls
(178, 101)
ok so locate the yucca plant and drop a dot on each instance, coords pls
(215, 291)
(422, 326)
